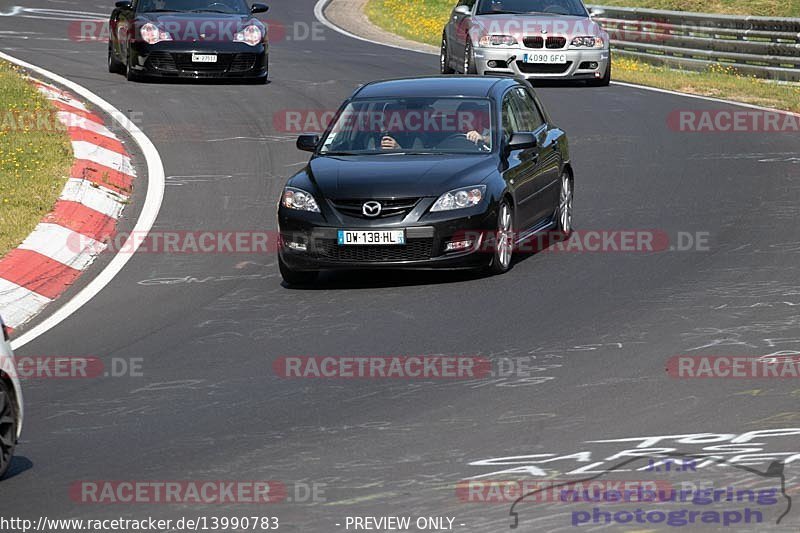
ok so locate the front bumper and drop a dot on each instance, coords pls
(424, 248)
(174, 60)
(581, 63)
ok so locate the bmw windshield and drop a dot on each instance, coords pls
(521, 7)
(233, 7)
(411, 126)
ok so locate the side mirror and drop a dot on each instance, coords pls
(259, 8)
(308, 142)
(521, 141)
(126, 5)
(462, 10)
(596, 11)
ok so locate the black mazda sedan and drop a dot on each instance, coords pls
(423, 173)
(188, 39)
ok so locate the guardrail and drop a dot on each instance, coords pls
(764, 47)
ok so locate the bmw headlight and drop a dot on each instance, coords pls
(587, 41)
(460, 198)
(299, 199)
(251, 35)
(497, 40)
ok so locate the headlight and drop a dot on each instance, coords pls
(299, 199)
(587, 41)
(459, 198)
(151, 34)
(497, 40)
(251, 35)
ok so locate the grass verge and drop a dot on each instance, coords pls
(423, 21)
(35, 157)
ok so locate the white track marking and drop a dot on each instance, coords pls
(21, 303)
(150, 209)
(63, 245)
(100, 199)
(103, 156)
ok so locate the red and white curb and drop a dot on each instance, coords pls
(84, 218)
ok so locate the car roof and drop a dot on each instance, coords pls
(432, 86)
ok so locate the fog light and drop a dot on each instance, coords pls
(593, 64)
(297, 246)
(492, 64)
(453, 246)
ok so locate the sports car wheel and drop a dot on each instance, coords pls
(114, 66)
(564, 209)
(444, 59)
(295, 277)
(469, 63)
(8, 428)
(605, 80)
(130, 75)
(504, 239)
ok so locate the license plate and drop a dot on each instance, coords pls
(204, 58)
(390, 237)
(545, 58)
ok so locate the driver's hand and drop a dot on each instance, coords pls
(388, 143)
(474, 136)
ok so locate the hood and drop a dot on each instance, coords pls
(193, 27)
(396, 176)
(528, 25)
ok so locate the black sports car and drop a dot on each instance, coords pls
(431, 172)
(188, 39)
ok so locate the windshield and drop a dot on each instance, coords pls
(238, 7)
(411, 126)
(515, 7)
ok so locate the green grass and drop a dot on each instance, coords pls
(423, 21)
(35, 157)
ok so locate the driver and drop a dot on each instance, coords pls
(473, 117)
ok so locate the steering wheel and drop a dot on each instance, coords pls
(462, 137)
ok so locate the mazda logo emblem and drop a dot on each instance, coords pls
(371, 209)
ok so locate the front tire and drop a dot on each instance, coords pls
(130, 75)
(469, 61)
(114, 65)
(605, 81)
(563, 213)
(444, 59)
(295, 277)
(503, 240)
(8, 427)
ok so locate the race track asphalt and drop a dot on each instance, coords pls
(596, 328)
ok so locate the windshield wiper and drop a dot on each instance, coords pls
(161, 11)
(212, 11)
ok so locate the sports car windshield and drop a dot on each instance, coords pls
(411, 126)
(518, 7)
(237, 7)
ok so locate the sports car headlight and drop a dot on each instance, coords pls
(251, 35)
(587, 41)
(299, 199)
(459, 198)
(152, 34)
(497, 40)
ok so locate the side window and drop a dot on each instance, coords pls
(510, 122)
(468, 3)
(529, 117)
